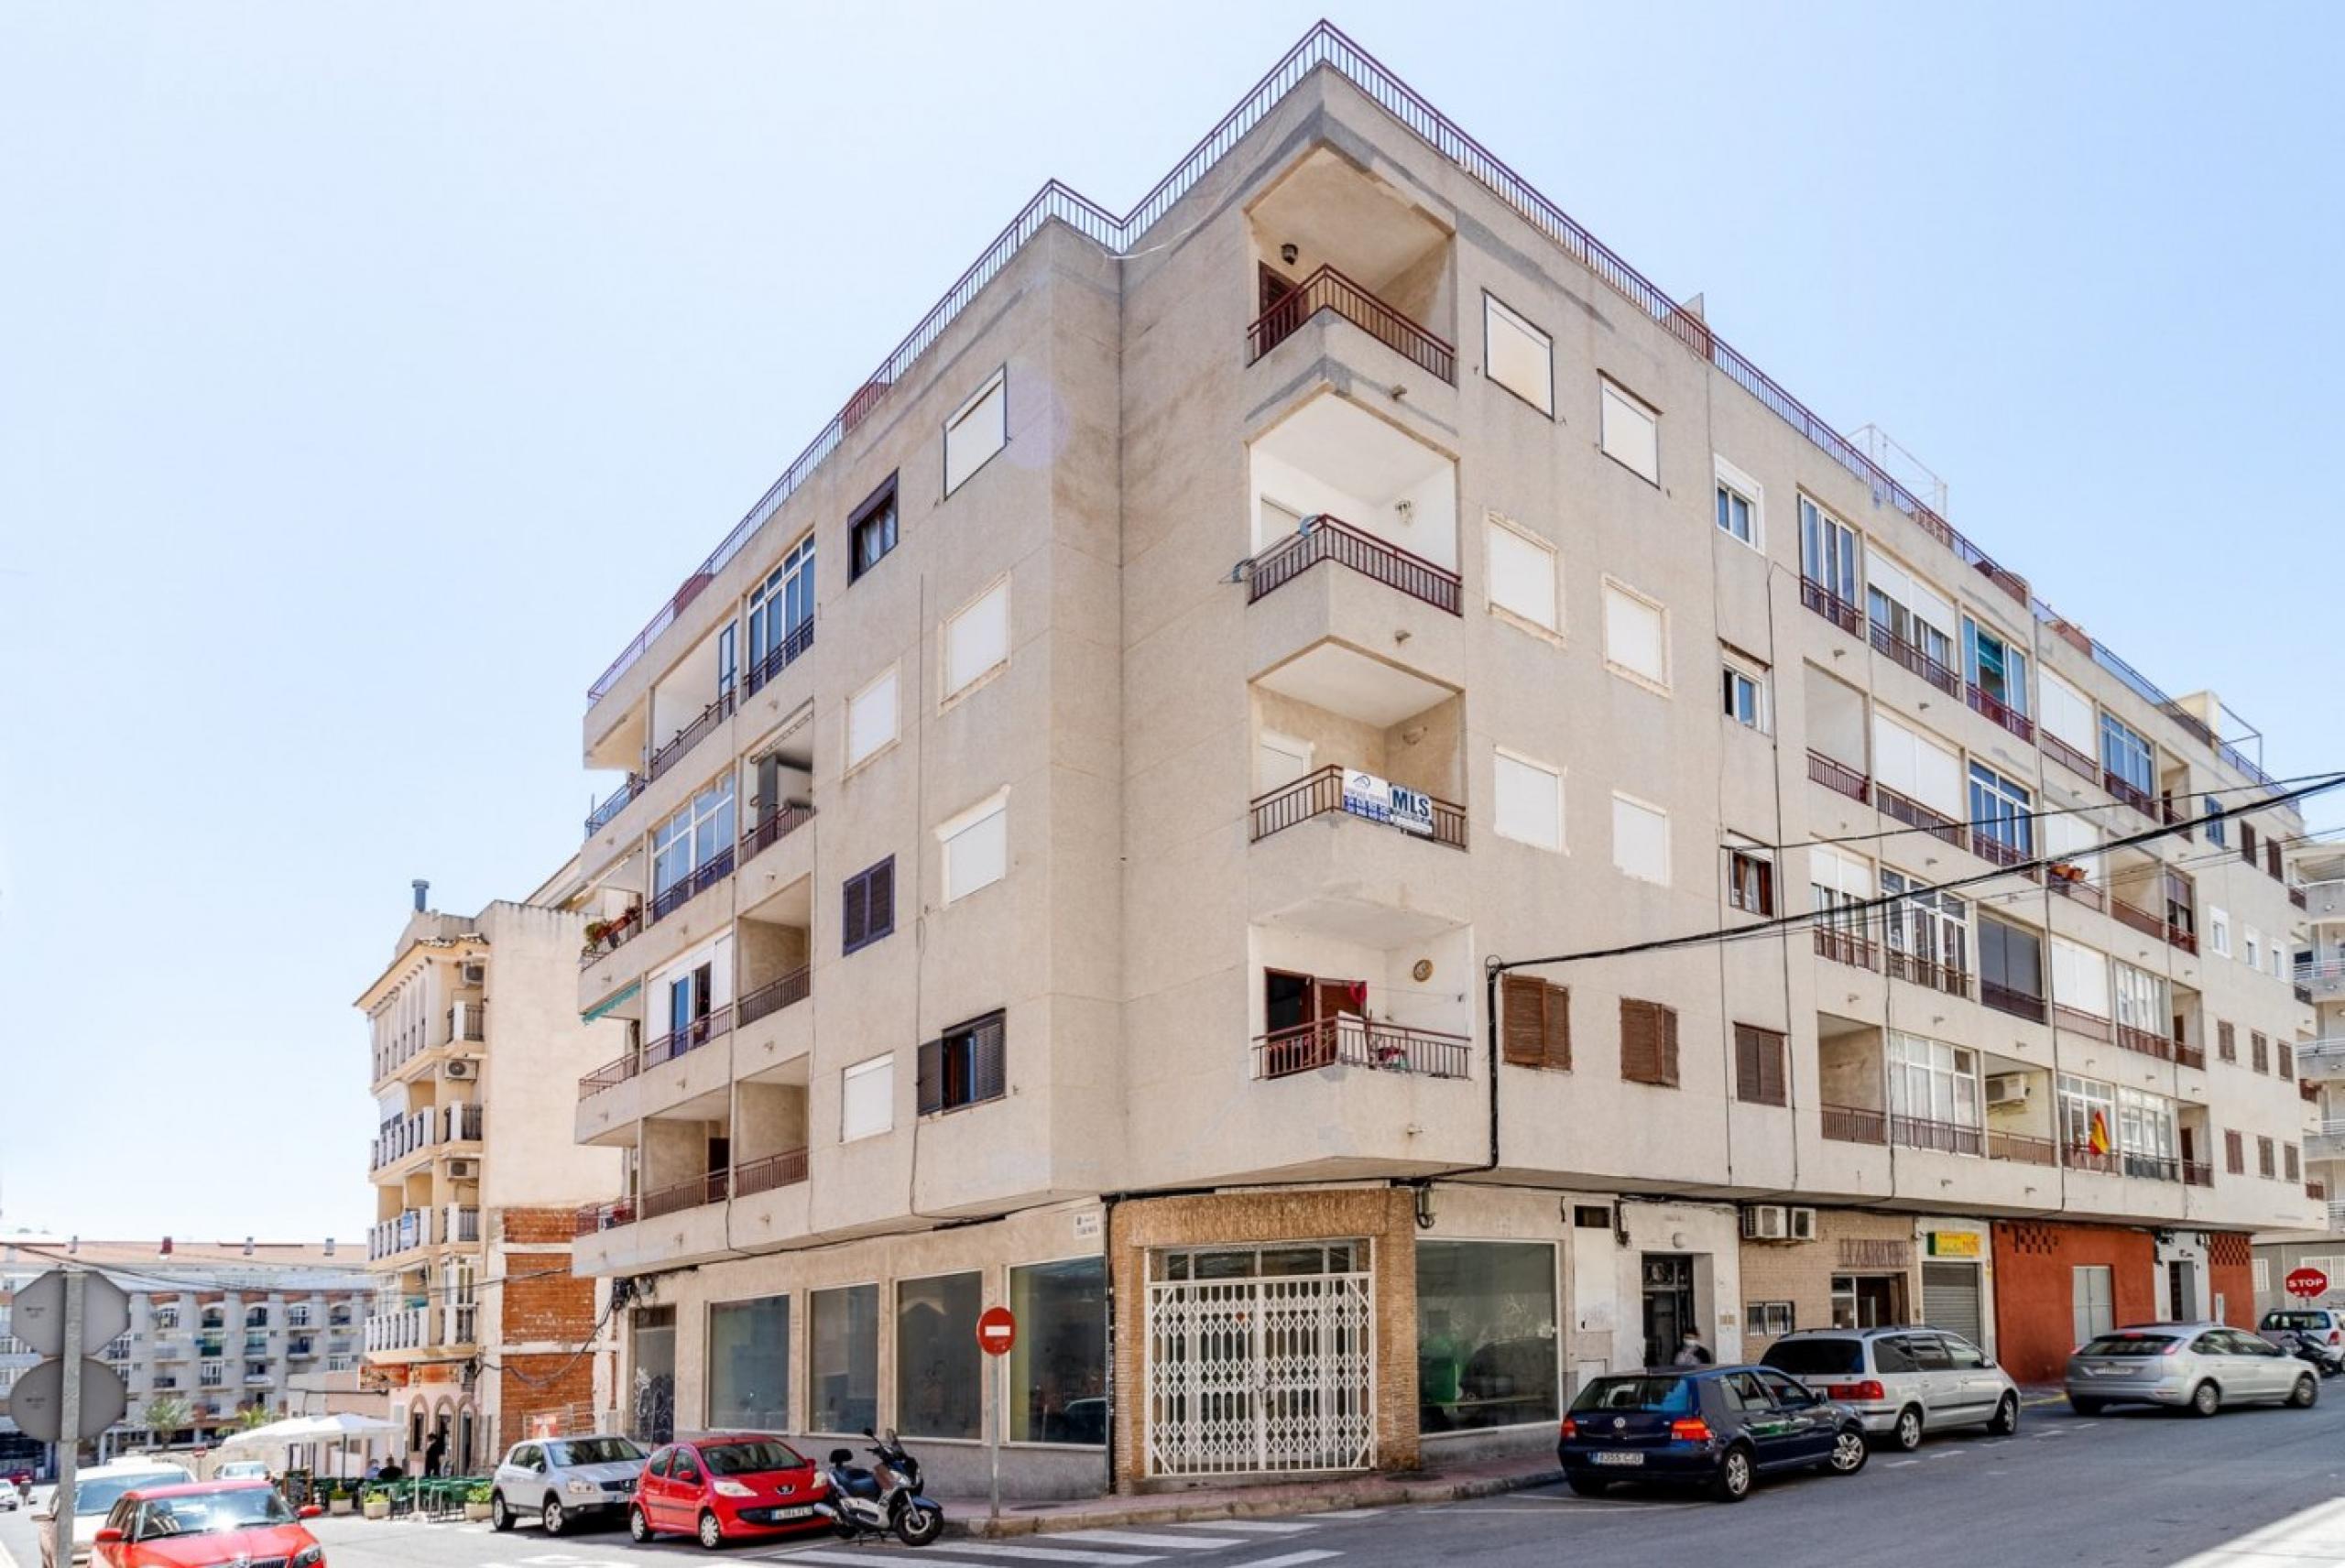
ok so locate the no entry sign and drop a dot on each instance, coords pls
(2300, 1282)
(998, 1331)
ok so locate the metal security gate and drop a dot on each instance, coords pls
(1260, 1375)
(1950, 1299)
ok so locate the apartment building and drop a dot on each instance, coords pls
(216, 1329)
(2317, 949)
(479, 1330)
(1068, 826)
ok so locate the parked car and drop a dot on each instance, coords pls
(2200, 1366)
(1902, 1382)
(2325, 1325)
(719, 1489)
(208, 1524)
(1719, 1427)
(559, 1481)
(9, 1498)
(95, 1492)
(243, 1470)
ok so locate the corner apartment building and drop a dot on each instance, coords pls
(479, 1326)
(216, 1328)
(1067, 823)
(2318, 874)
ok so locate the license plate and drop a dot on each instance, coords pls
(803, 1512)
(1620, 1458)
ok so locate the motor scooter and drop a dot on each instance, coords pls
(883, 1500)
(2327, 1358)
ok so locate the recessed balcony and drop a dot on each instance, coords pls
(1331, 239)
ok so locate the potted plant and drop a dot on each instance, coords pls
(476, 1501)
(377, 1502)
(597, 930)
(338, 1498)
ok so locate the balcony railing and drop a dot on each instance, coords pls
(1913, 658)
(1986, 843)
(774, 995)
(614, 803)
(1328, 289)
(1347, 1041)
(401, 1233)
(2146, 1042)
(2022, 1148)
(2188, 1055)
(1985, 702)
(1321, 793)
(2003, 999)
(691, 735)
(1913, 813)
(1839, 776)
(460, 1124)
(594, 1217)
(1920, 971)
(1944, 1138)
(775, 826)
(460, 1222)
(2075, 1020)
(693, 883)
(2197, 1173)
(2321, 1058)
(2304, 992)
(2068, 756)
(692, 1037)
(2076, 888)
(1831, 606)
(1844, 946)
(2150, 1167)
(610, 1075)
(2131, 794)
(709, 1187)
(784, 1169)
(1852, 1124)
(403, 1136)
(2141, 920)
(401, 1328)
(2084, 1157)
(779, 656)
(1323, 538)
(617, 933)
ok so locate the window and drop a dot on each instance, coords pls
(1630, 433)
(2146, 1135)
(2289, 1167)
(699, 836)
(937, 1358)
(2264, 1163)
(1487, 1334)
(1745, 685)
(1528, 802)
(2272, 860)
(1837, 883)
(1827, 552)
(1931, 929)
(1994, 665)
(867, 906)
(1749, 881)
(2011, 958)
(871, 719)
(2262, 1277)
(1641, 840)
(2226, 1042)
(2218, 825)
(1910, 614)
(2092, 1302)
(1932, 1081)
(2218, 930)
(1518, 356)
(2069, 840)
(842, 1358)
(964, 1066)
(871, 531)
(2067, 714)
(976, 639)
(2234, 1154)
(748, 1364)
(1917, 766)
(1768, 1318)
(1738, 504)
(2251, 948)
(2088, 1111)
(1536, 1023)
(867, 1098)
(2080, 979)
(781, 614)
(2259, 1052)
(1647, 1043)
(976, 848)
(2247, 841)
(1058, 1368)
(977, 430)
(2127, 756)
(1636, 634)
(2000, 814)
(2143, 1001)
(1521, 572)
(1759, 1076)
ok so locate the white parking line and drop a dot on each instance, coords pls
(1949, 1453)
(1266, 1526)
(1901, 1463)
(1292, 1560)
(1140, 1538)
(1021, 1552)
(859, 1558)
(1349, 1513)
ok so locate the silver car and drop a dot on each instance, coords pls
(2200, 1366)
(1901, 1381)
(559, 1481)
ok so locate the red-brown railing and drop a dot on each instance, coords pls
(2141, 920)
(2002, 713)
(2297, 896)
(784, 1169)
(690, 1038)
(613, 804)
(2084, 1157)
(1329, 290)
(1927, 972)
(1851, 1124)
(2197, 1173)
(774, 826)
(2188, 1055)
(1820, 598)
(2181, 936)
(2146, 1042)
(1843, 946)
(2317, 1190)
(2022, 1148)
(610, 1075)
(1913, 658)
(774, 995)
(694, 1192)
(2069, 757)
(2003, 999)
(691, 735)
(1835, 775)
(1321, 793)
(1988, 847)
(1944, 1138)
(1331, 538)
(592, 1217)
(2131, 794)
(2076, 889)
(1361, 1043)
(1913, 813)
(2075, 1020)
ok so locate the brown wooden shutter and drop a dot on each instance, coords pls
(2293, 1171)
(2247, 841)
(1668, 1033)
(1648, 1042)
(2225, 1044)
(2272, 858)
(1523, 1034)
(2234, 1154)
(931, 1076)
(2287, 1055)
(879, 898)
(989, 1074)
(854, 913)
(1759, 1065)
(2259, 1052)
(2263, 1156)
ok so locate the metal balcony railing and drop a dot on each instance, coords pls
(1988, 842)
(1321, 793)
(1913, 813)
(1986, 702)
(2084, 1157)
(775, 826)
(713, 1025)
(403, 1136)
(695, 882)
(1328, 289)
(2197, 1173)
(1854, 1124)
(1913, 658)
(2023, 1149)
(2075, 1020)
(460, 1124)
(1821, 599)
(468, 1022)
(2076, 762)
(610, 1075)
(402, 1231)
(1942, 1138)
(1322, 538)
(1842, 945)
(617, 933)
(709, 1187)
(1919, 970)
(774, 995)
(1839, 776)
(609, 1216)
(1347, 1041)
(779, 656)
(2131, 794)
(2004, 999)
(678, 745)
(784, 1169)
(2076, 888)
(460, 1222)
(2323, 1058)
(614, 803)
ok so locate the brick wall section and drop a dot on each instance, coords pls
(1801, 1272)
(1385, 1215)
(2034, 1301)
(558, 1386)
(2230, 1271)
(541, 1306)
(539, 1227)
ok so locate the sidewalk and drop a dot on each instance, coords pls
(966, 1516)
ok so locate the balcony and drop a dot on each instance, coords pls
(1913, 813)
(793, 647)
(690, 886)
(1942, 1138)
(2324, 900)
(460, 1124)
(1844, 945)
(2070, 882)
(1831, 606)
(1906, 654)
(404, 1136)
(2324, 978)
(2018, 1004)
(2328, 1143)
(1839, 778)
(605, 937)
(402, 1328)
(460, 1224)
(1987, 844)
(2075, 1020)
(614, 803)
(2131, 794)
(1985, 703)
(773, 1171)
(1854, 1124)
(1927, 973)
(468, 1022)
(1346, 1040)
(2022, 1149)
(1336, 790)
(699, 728)
(2321, 1058)
(714, 1025)
(773, 827)
(2149, 1042)
(2068, 756)
(2197, 1173)
(1329, 290)
(1321, 537)
(403, 1232)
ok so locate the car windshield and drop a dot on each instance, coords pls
(2295, 1320)
(2128, 1344)
(210, 1513)
(96, 1494)
(593, 1450)
(1659, 1396)
(1815, 1358)
(747, 1458)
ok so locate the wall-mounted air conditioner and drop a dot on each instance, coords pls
(1765, 1222)
(460, 1069)
(1803, 1225)
(464, 1170)
(2007, 1089)
(475, 973)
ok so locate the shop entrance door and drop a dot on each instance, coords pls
(1669, 1305)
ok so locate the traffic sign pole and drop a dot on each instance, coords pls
(69, 1453)
(997, 1331)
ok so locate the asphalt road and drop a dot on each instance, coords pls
(2146, 1490)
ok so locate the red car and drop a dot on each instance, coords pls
(741, 1487)
(206, 1523)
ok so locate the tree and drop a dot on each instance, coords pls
(165, 1415)
(255, 1414)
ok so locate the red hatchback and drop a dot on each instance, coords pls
(743, 1488)
(204, 1524)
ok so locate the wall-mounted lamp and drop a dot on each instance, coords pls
(1287, 253)
(1425, 1195)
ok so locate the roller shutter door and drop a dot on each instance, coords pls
(1950, 1299)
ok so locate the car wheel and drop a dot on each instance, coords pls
(1587, 1485)
(1907, 1434)
(1849, 1452)
(712, 1533)
(2086, 1407)
(500, 1512)
(2006, 1419)
(2205, 1399)
(555, 1518)
(2306, 1393)
(638, 1528)
(1733, 1483)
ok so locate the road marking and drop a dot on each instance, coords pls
(2081, 1425)
(859, 1558)
(1267, 1527)
(1290, 1559)
(1140, 1538)
(1901, 1463)
(1022, 1553)
(1349, 1513)
(1949, 1453)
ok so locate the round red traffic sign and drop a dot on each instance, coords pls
(2300, 1282)
(996, 1331)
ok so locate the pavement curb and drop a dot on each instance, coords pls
(1376, 1492)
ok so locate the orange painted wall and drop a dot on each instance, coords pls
(2034, 1289)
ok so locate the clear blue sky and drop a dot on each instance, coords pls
(368, 373)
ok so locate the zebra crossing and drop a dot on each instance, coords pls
(1213, 1543)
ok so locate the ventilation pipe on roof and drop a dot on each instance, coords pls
(422, 894)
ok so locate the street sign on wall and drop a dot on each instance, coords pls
(38, 1314)
(2308, 1282)
(38, 1401)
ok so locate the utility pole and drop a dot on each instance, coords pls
(68, 1446)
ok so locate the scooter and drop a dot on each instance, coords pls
(886, 1498)
(2327, 1360)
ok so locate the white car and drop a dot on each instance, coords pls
(95, 1494)
(243, 1470)
(559, 1481)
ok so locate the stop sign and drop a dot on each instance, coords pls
(996, 1331)
(2308, 1282)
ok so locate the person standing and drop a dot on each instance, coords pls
(435, 1454)
(1691, 1351)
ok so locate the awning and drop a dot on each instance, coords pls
(607, 1003)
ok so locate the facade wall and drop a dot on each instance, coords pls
(2035, 1263)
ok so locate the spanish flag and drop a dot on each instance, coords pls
(2100, 1139)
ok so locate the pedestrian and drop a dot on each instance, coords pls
(435, 1454)
(1692, 1352)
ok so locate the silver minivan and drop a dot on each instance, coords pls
(1901, 1381)
(2199, 1366)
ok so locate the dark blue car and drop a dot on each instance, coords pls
(1715, 1427)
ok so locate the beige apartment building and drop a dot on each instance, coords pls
(2318, 952)
(1069, 824)
(480, 1332)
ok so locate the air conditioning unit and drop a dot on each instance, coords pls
(464, 1170)
(475, 973)
(2007, 1089)
(1803, 1225)
(1766, 1221)
(460, 1069)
